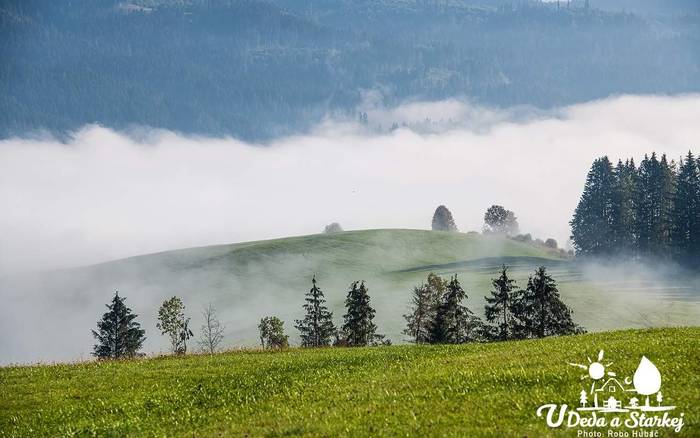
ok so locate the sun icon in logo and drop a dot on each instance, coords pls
(596, 370)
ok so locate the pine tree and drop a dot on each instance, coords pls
(539, 310)
(424, 303)
(317, 328)
(592, 224)
(686, 215)
(359, 328)
(655, 203)
(118, 334)
(498, 308)
(624, 209)
(442, 220)
(454, 323)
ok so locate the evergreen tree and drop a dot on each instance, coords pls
(442, 220)
(499, 306)
(424, 303)
(686, 217)
(655, 193)
(454, 323)
(317, 328)
(118, 334)
(624, 215)
(592, 224)
(539, 310)
(359, 328)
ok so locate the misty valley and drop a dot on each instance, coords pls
(350, 218)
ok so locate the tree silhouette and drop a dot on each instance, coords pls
(442, 220)
(317, 328)
(118, 334)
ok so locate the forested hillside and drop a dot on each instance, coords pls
(255, 69)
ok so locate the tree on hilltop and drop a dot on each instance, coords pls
(500, 221)
(442, 220)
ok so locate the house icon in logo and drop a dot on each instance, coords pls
(609, 393)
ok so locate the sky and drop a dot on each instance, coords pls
(104, 195)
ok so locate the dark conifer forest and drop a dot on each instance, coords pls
(651, 210)
(257, 69)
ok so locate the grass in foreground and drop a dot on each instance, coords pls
(466, 390)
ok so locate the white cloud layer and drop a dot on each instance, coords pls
(105, 195)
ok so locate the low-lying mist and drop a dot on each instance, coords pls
(106, 195)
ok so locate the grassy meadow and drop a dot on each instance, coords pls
(247, 281)
(463, 390)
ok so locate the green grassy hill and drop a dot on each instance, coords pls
(466, 390)
(247, 281)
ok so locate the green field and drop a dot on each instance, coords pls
(464, 390)
(247, 281)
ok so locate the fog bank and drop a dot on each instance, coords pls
(106, 195)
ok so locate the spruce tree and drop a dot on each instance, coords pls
(655, 203)
(498, 308)
(686, 216)
(592, 224)
(539, 310)
(454, 323)
(358, 327)
(118, 334)
(317, 328)
(442, 220)
(424, 303)
(624, 208)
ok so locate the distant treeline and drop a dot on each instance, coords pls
(258, 69)
(650, 210)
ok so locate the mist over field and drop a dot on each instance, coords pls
(104, 194)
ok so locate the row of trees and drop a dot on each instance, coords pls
(648, 211)
(318, 330)
(119, 335)
(437, 315)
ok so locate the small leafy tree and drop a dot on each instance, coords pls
(118, 334)
(499, 220)
(359, 328)
(212, 331)
(172, 322)
(454, 323)
(499, 305)
(333, 228)
(442, 220)
(539, 311)
(272, 333)
(424, 303)
(317, 328)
